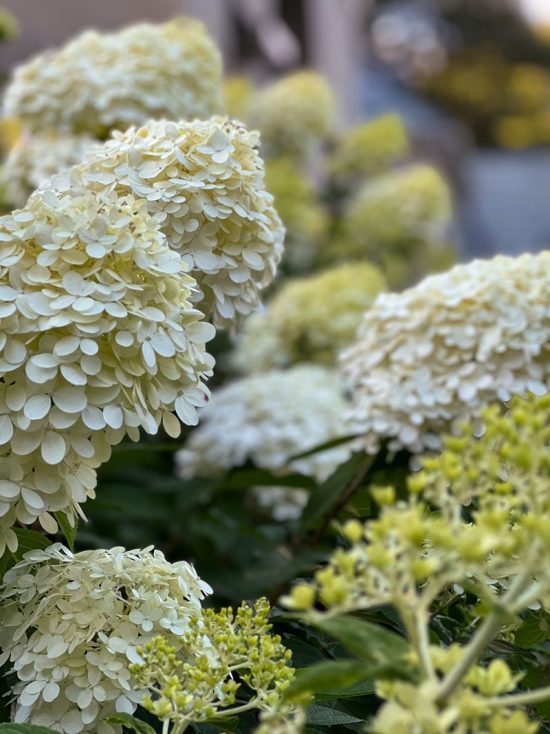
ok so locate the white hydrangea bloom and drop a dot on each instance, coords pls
(206, 181)
(35, 158)
(101, 81)
(438, 352)
(70, 625)
(267, 419)
(98, 338)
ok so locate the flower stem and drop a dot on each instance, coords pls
(485, 633)
(520, 699)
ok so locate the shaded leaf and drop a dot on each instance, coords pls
(69, 532)
(130, 722)
(329, 675)
(328, 493)
(328, 716)
(368, 641)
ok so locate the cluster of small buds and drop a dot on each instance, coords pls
(230, 663)
(473, 707)
(476, 517)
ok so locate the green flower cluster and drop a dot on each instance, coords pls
(477, 517)
(309, 319)
(232, 664)
(370, 148)
(399, 221)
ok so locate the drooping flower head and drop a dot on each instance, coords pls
(267, 419)
(36, 158)
(206, 182)
(294, 114)
(400, 221)
(98, 338)
(71, 623)
(370, 148)
(438, 352)
(104, 81)
(309, 319)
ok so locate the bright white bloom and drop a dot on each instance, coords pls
(101, 81)
(441, 350)
(206, 182)
(294, 114)
(35, 158)
(267, 419)
(70, 624)
(98, 338)
(309, 319)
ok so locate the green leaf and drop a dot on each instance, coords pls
(327, 716)
(69, 532)
(240, 479)
(327, 676)
(363, 688)
(532, 631)
(24, 729)
(30, 540)
(368, 641)
(130, 722)
(324, 447)
(328, 493)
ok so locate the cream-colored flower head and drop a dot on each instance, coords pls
(98, 338)
(70, 625)
(35, 158)
(438, 352)
(294, 114)
(205, 180)
(309, 319)
(370, 148)
(299, 206)
(400, 221)
(101, 81)
(267, 419)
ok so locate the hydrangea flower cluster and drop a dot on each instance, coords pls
(98, 340)
(238, 653)
(267, 419)
(71, 625)
(238, 93)
(400, 221)
(294, 114)
(305, 218)
(477, 516)
(370, 149)
(104, 81)
(205, 181)
(36, 158)
(440, 351)
(309, 319)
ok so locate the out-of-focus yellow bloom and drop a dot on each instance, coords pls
(238, 92)
(9, 25)
(294, 114)
(309, 319)
(370, 148)
(299, 206)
